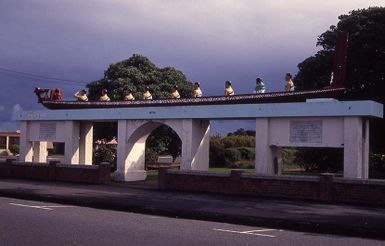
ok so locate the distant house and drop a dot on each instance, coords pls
(8, 139)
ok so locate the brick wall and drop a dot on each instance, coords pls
(56, 172)
(324, 188)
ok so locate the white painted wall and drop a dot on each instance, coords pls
(332, 132)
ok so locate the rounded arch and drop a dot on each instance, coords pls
(131, 152)
(147, 127)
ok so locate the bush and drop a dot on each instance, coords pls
(242, 164)
(151, 155)
(247, 153)
(105, 153)
(320, 159)
(231, 155)
(216, 154)
(289, 156)
(238, 141)
(14, 149)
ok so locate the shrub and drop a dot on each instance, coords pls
(216, 154)
(238, 141)
(105, 153)
(151, 155)
(247, 153)
(242, 164)
(14, 149)
(231, 155)
(320, 159)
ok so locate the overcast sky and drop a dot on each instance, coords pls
(209, 40)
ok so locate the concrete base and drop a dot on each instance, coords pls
(131, 175)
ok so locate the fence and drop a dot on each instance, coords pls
(325, 188)
(56, 172)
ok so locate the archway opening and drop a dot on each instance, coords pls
(163, 149)
(146, 140)
(232, 145)
(105, 143)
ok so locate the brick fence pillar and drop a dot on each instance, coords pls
(326, 187)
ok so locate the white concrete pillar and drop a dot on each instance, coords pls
(356, 147)
(7, 142)
(186, 138)
(121, 150)
(131, 150)
(264, 163)
(40, 152)
(366, 149)
(71, 142)
(26, 151)
(86, 143)
(201, 145)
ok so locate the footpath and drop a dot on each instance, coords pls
(351, 220)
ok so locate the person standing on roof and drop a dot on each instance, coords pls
(197, 90)
(259, 86)
(146, 93)
(81, 96)
(174, 92)
(104, 97)
(289, 86)
(128, 95)
(229, 89)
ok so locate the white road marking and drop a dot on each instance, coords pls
(29, 206)
(58, 206)
(39, 207)
(260, 230)
(253, 232)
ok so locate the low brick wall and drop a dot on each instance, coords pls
(324, 188)
(56, 172)
(360, 191)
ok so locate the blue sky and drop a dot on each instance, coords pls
(209, 40)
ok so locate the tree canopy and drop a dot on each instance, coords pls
(136, 73)
(366, 54)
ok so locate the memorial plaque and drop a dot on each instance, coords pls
(306, 131)
(47, 131)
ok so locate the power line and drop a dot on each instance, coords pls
(41, 80)
(35, 76)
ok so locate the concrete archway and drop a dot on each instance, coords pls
(132, 136)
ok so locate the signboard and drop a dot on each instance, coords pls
(306, 131)
(47, 131)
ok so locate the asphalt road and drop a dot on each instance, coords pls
(31, 223)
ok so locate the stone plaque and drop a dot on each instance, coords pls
(306, 131)
(47, 131)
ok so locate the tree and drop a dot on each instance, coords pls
(241, 132)
(136, 73)
(365, 66)
(366, 54)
